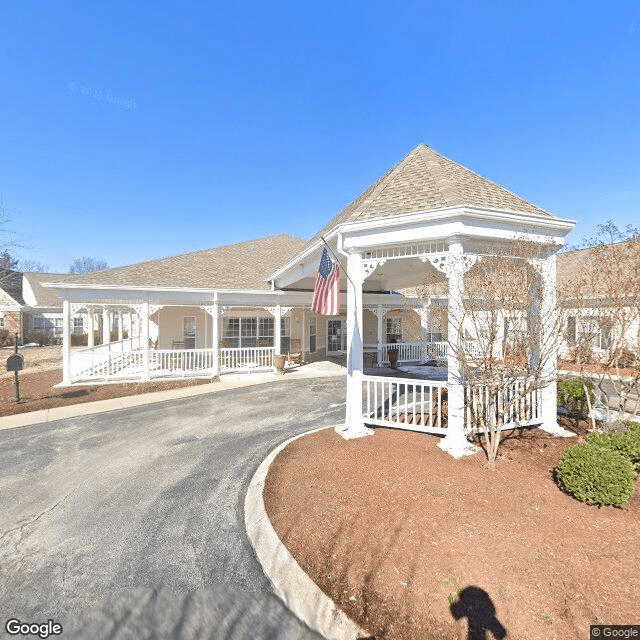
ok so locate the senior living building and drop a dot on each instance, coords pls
(233, 308)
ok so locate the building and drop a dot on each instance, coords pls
(233, 308)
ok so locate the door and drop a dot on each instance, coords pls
(336, 336)
(189, 332)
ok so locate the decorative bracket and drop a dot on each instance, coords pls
(380, 312)
(445, 262)
(74, 307)
(369, 266)
(283, 311)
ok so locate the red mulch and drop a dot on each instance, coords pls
(37, 392)
(390, 526)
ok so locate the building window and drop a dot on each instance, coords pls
(285, 335)
(40, 323)
(312, 335)
(1, 320)
(394, 329)
(78, 325)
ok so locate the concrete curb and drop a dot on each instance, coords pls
(301, 595)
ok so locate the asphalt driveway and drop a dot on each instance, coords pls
(130, 523)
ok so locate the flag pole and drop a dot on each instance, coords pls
(338, 261)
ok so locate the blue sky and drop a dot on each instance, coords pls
(134, 130)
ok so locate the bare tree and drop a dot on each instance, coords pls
(504, 338)
(32, 266)
(600, 302)
(85, 265)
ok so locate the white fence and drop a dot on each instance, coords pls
(518, 402)
(415, 351)
(246, 359)
(114, 362)
(419, 405)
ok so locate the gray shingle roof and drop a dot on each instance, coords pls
(244, 265)
(45, 297)
(11, 287)
(425, 180)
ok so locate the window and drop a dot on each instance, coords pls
(57, 326)
(40, 323)
(248, 332)
(78, 325)
(312, 335)
(189, 332)
(394, 329)
(1, 320)
(285, 334)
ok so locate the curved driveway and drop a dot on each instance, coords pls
(130, 523)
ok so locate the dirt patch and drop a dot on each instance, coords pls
(38, 392)
(35, 359)
(390, 527)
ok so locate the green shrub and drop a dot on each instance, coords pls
(571, 396)
(627, 443)
(597, 474)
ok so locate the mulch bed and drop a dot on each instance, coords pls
(390, 526)
(37, 392)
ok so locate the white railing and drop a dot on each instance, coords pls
(415, 351)
(517, 403)
(170, 362)
(102, 364)
(246, 359)
(474, 350)
(419, 405)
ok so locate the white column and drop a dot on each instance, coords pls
(90, 327)
(120, 334)
(354, 426)
(215, 339)
(380, 317)
(144, 320)
(66, 343)
(105, 326)
(303, 337)
(547, 356)
(455, 442)
(277, 326)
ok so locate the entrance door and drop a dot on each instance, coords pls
(336, 336)
(189, 332)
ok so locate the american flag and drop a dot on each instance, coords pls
(326, 297)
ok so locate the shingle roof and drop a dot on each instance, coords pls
(425, 180)
(244, 265)
(580, 272)
(46, 297)
(11, 287)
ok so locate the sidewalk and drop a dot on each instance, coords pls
(227, 381)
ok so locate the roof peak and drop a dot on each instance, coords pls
(424, 180)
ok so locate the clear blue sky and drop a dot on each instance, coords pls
(134, 130)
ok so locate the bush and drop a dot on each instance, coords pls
(40, 337)
(597, 474)
(624, 357)
(571, 396)
(79, 339)
(4, 337)
(626, 443)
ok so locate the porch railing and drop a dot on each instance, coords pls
(418, 405)
(517, 403)
(415, 351)
(246, 358)
(116, 363)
